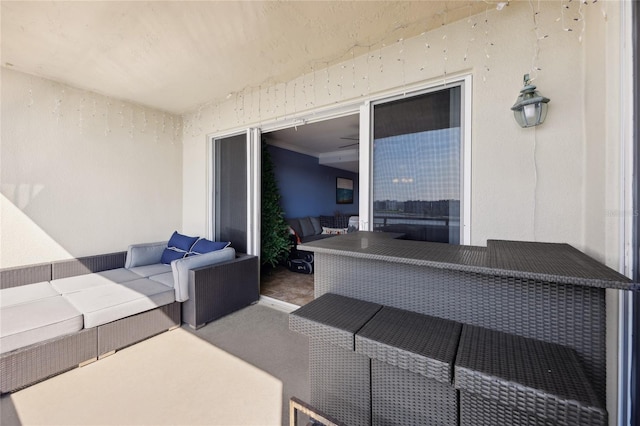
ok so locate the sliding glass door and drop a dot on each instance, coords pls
(414, 171)
(417, 165)
(236, 191)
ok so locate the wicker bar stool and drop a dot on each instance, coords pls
(506, 379)
(339, 377)
(412, 367)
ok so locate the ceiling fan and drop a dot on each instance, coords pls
(352, 138)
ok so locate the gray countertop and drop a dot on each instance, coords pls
(552, 262)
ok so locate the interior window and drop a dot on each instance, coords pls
(417, 183)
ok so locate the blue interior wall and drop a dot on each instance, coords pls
(306, 187)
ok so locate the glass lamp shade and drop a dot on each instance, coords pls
(530, 108)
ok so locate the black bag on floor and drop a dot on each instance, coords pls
(299, 265)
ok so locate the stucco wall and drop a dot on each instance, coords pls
(527, 184)
(83, 174)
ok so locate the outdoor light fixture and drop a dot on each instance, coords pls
(530, 108)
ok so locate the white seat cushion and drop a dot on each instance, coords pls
(98, 279)
(80, 283)
(151, 270)
(166, 279)
(26, 293)
(119, 275)
(104, 304)
(32, 322)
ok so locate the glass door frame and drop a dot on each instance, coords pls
(365, 110)
(254, 169)
(366, 151)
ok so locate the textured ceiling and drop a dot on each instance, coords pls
(177, 55)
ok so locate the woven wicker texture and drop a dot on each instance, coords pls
(340, 383)
(124, 332)
(385, 245)
(219, 290)
(557, 260)
(569, 315)
(527, 375)
(400, 397)
(40, 361)
(478, 411)
(416, 342)
(502, 258)
(87, 265)
(333, 318)
(23, 275)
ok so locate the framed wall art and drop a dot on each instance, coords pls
(344, 191)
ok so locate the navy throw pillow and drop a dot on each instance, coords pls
(170, 254)
(181, 242)
(203, 246)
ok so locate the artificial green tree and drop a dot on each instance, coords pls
(276, 242)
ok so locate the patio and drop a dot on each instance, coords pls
(241, 369)
(112, 111)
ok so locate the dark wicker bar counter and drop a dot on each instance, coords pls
(545, 291)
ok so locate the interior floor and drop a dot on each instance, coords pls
(282, 284)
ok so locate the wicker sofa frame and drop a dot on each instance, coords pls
(216, 291)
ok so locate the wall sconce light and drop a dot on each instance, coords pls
(530, 108)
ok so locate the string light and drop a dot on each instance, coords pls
(275, 100)
(571, 13)
(473, 24)
(353, 69)
(536, 44)
(57, 107)
(144, 121)
(107, 128)
(326, 71)
(581, 19)
(155, 129)
(402, 62)
(80, 118)
(295, 106)
(304, 90)
(487, 44)
(248, 104)
(366, 76)
(427, 46)
(198, 121)
(444, 56)
(121, 115)
(176, 130)
(285, 98)
(268, 100)
(313, 84)
(260, 103)
(132, 126)
(445, 51)
(219, 116)
(235, 108)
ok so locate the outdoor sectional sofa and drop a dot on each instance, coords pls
(61, 315)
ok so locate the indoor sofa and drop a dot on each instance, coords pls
(57, 316)
(312, 228)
